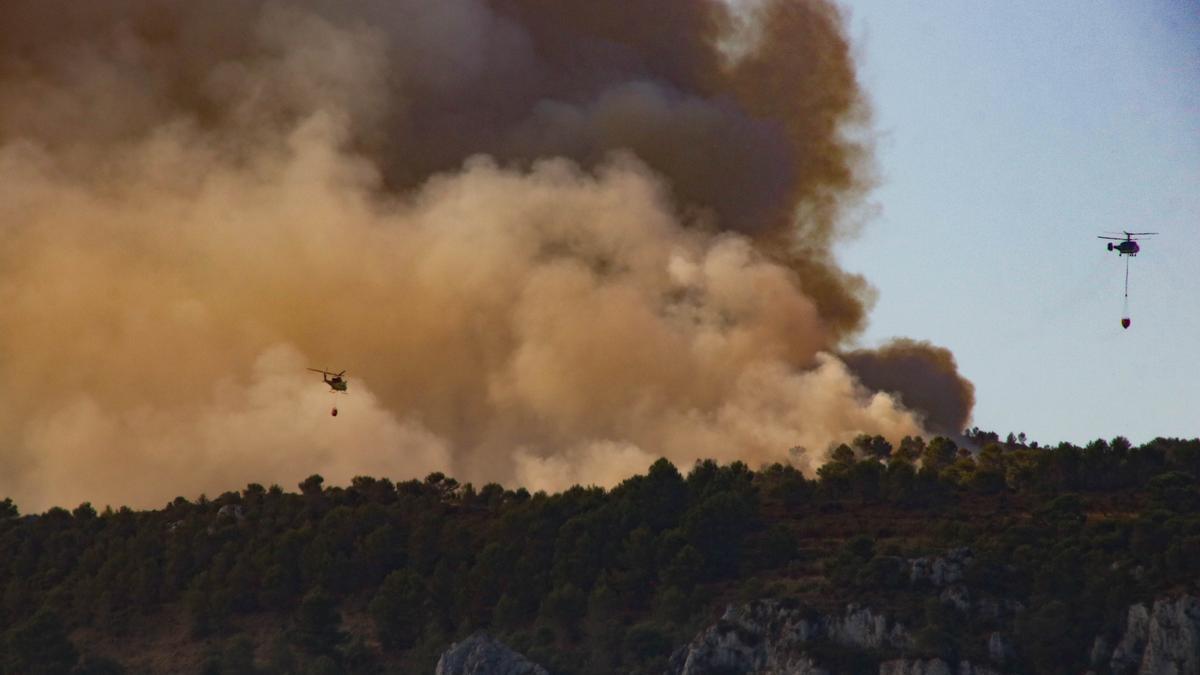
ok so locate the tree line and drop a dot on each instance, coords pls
(592, 580)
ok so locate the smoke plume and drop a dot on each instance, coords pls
(549, 242)
(924, 377)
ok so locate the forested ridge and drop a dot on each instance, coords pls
(379, 577)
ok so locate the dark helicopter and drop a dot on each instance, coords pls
(335, 382)
(1128, 245)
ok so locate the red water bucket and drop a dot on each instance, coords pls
(1124, 324)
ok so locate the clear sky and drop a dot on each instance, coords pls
(1010, 134)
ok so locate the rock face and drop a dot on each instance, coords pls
(958, 596)
(1128, 654)
(1164, 639)
(915, 667)
(930, 667)
(999, 648)
(769, 637)
(863, 628)
(996, 608)
(483, 655)
(941, 570)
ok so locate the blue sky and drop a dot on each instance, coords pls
(1009, 135)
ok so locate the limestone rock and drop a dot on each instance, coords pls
(1173, 643)
(930, 667)
(995, 609)
(770, 637)
(861, 627)
(1100, 652)
(958, 596)
(1000, 650)
(480, 654)
(941, 570)
(1162, 639)
(915, 667)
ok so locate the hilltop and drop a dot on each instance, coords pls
(939, 547)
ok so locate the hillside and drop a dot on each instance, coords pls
(1047, 547)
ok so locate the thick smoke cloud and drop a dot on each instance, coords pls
(924, 377)
(549, 242)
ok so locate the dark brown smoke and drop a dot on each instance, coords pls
(924, 377)
(764, 141)
(550, 241)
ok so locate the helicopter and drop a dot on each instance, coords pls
(1128, 245)
(335, 382)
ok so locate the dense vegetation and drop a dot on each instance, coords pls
(380, 577)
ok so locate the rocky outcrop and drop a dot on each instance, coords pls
(768, 636)
(931, 667)
(942, 570)
(915, 667)
(947, 573)
(1000, 650)
(1127, 655)
(1163, 639)
(483, 655)
(863, 628)
(1101, 650)
(958, 596)
(771, 637)
(997, 608)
